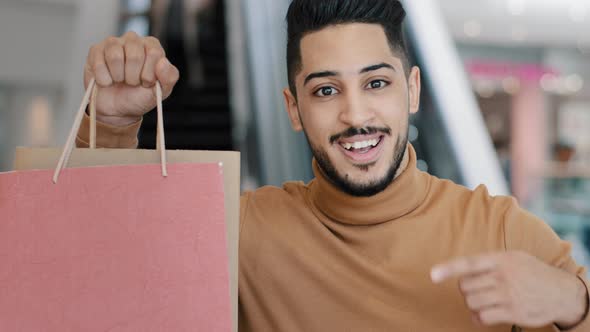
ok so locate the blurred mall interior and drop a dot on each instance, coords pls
(506, 97)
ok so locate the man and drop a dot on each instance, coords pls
(372, 243)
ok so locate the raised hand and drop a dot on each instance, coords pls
(126, 69)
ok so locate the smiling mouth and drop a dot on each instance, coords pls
(362, 146)
(362, 150)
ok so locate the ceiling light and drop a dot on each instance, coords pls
(413, 133)
(472, 28)
(549, 82)
(484, 88)
(422, 165)
(574, 83)
(516, 7)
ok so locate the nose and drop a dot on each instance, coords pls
(356, 112)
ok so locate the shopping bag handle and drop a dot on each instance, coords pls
(71, 141)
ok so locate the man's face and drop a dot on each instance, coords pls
(353, 102)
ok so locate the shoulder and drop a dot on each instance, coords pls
(289, 190)
(497, 222)
(473, 211)
(271, 198)
(476, 217)
(469, 200)
(269, 210)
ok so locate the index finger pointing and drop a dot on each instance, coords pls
(461, 267)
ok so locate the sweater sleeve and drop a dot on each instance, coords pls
(109, 136)
(244, 200)
(525, 232)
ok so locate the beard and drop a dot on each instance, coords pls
(361, 189)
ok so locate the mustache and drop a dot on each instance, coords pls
(360, 131)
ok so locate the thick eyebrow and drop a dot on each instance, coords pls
(329, 73)
(319, 75)
(376, 67)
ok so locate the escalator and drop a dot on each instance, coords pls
(196, 117)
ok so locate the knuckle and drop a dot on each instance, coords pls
(111, 40)
(131, 33)
(97, 66)
(114, 57)
(134, 52)
(134, 57)
(93, 51)
(148, 78)
(152, 40)
(154, 52)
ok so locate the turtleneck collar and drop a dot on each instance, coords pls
(401, 197)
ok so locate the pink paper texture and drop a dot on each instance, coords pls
(114, 249)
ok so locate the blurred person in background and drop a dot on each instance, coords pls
(371, 243)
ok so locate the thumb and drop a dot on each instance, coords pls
(168, 75)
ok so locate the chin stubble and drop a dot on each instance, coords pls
(356, 189)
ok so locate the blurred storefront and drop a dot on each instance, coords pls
(529, 66)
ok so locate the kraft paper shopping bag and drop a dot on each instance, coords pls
(32, 158)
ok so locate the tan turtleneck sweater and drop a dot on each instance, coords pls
(313, 258)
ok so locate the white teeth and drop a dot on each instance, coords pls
(360, 145)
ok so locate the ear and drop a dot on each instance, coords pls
(414, 87)
(292, 110)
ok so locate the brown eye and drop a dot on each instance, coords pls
(325, 91)
(377, 84)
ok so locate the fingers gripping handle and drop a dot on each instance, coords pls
(161, 142)
(71, 141)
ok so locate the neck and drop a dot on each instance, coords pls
(403, 195)
(404, 164)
